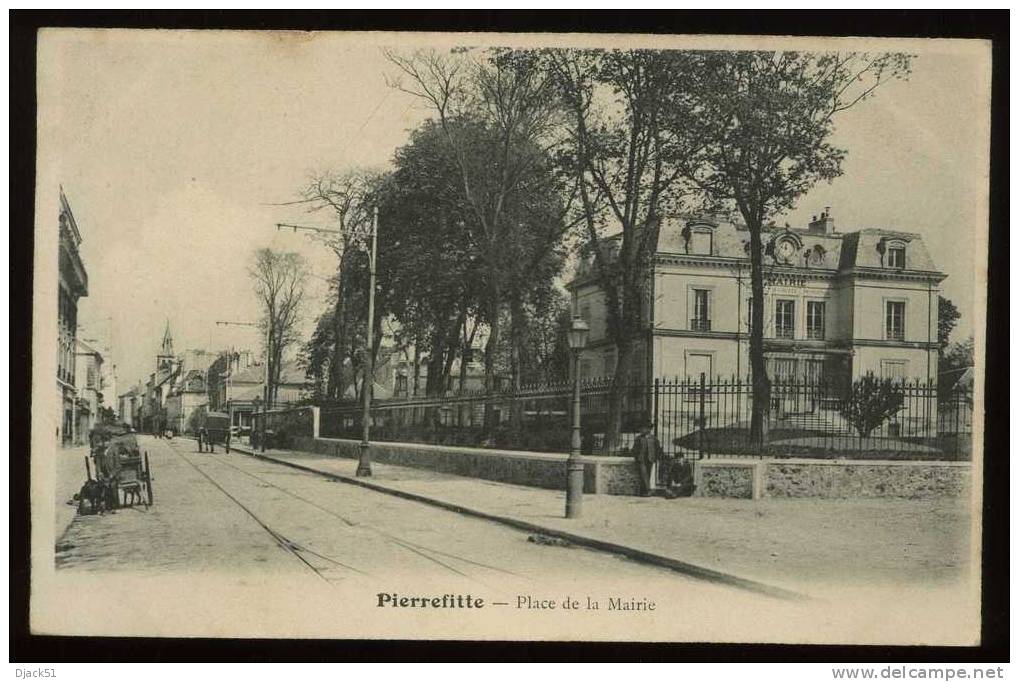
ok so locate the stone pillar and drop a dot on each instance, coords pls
(315, 421)
(760, 476)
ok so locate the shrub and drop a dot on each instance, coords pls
(871, 401)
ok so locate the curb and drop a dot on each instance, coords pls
(682, 567)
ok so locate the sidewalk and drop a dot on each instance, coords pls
(70, 472)
(788, 543)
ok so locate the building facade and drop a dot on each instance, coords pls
(73, 285)
(232, 388)
(128, 405)
(836, 305)
(152, 412)
(188, 389)
(187, 394)
(89, 383)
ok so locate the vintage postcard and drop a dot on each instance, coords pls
(509, 336)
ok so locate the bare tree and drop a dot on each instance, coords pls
(348, 197)
(762, 123)
(279, 279)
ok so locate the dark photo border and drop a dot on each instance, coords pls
(991, 25)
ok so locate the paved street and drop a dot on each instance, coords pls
(802, 544)
(70, 474)
(233, 513)
(223, 523)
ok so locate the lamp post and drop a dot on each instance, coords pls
(577, 338)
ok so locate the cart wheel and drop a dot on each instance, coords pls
(148, 481)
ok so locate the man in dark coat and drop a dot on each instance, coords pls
(681, 477)
(201, 438)
(646, 451)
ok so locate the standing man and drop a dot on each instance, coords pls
(201, 437)
(646, 451)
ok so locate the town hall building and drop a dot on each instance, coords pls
(838, 305)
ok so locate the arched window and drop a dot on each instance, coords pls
(893, 253)
(699, 238)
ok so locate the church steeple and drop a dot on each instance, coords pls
(167, 341)
(165, 358)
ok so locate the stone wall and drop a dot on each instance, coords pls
(729, 479)
(607, 475)
(830, 479)
(794, 478)
(617, 476)
(740, 478)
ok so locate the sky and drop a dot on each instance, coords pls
(173, 146)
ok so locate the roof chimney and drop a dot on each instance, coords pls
(823, 224)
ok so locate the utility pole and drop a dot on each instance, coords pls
(364, 462)
(364, 466)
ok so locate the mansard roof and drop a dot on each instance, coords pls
(864, 249)
(836, 250)
(815, 249)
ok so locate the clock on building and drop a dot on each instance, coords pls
(784, 251)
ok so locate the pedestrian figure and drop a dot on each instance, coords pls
(201, 438)
(108, 473)
(646, 452)
(680, 477)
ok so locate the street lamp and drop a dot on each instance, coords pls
(577, 337)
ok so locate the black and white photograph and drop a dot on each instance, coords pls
(509, 337)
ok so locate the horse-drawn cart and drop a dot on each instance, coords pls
(123, 476)
(134, 480)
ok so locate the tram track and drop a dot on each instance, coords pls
(285, 543)
(401, 541)
(444, 559)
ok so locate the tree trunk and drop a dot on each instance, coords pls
(761, 385)
(462, 383)
(447, 368)
(614, 423)
(516, 323)
(435, 356)
(417, 364)
(277, 373)
(453, 347)
(467, 349)
(337, 377)
(491, 348)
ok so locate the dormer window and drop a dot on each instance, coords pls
(700, 243)
(699, 239)
(893, 252)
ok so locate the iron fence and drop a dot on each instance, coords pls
(882, 419)
(281, 426)
(535, 418)
(696, 417)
